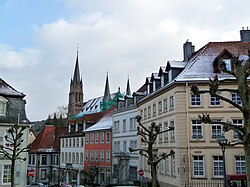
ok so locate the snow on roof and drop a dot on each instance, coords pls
(200, 66)
(7, 90)
(105, 123)
(176, 64)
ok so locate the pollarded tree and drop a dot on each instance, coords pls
(13, 147)
(240, 73)
(149, 136)
(91, 171)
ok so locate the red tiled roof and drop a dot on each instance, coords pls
(48, 138)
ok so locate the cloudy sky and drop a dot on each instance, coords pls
(38, 42)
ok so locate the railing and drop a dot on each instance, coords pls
(204, 184)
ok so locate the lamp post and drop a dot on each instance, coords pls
(223, 143)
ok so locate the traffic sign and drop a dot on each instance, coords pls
(31, 173)
(141, 172)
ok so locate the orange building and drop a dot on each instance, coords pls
(98, 148)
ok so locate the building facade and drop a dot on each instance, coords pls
(125, 164)
(12, 111)
(98, 148)
(169, 102)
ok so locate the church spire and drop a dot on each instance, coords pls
(76, 77)
(128, 91)
(106, 96)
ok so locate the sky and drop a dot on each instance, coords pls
(126, 38)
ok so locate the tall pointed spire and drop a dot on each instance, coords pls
(76, 77)
(106, 96)
(128, 91)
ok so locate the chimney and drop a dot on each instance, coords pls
(188, 50)
(245, 35)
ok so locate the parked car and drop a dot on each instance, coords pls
(36, 184)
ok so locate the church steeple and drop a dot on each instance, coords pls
(76, 77)
(75, 92)
(128, 91)
(106, 96)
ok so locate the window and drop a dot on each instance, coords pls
(108, 156)
(3, 105)
(240, 165)
(116, 127)
(43, 174)
(145, 113)
(173, 165)
(236, 98)
(102, 156)
(107, 137)
(133, 144)
(81, 158)
(132, 124)
(62, 142)
(91, 155)
(82, 141)
(159, 107)
(96, 156)
(87, 138)
(66, 157)
(154, 110)
(198, 166)
(77, 142)
(195, 100)
(149, 112)
(197, 132)
(67, 142)
(77, 157)
(6, 173)
(73, 158)
(214, 101)
(161, 167)
(117, 146)
(96, 138)
(217, 131)
(239, 123)
(133, 173)
(69, 157)
(92, 138)
(124, 124)
(43, 159)
(166, 133)
(74, 142)
(124, 146)
(170, 75)
(218, 166)
(167, 166)
(172, 133)
(165, 105)
(86, 155)
(102, 137)
(160, 135)
(228, 64)
(171, 102)
(32, 159)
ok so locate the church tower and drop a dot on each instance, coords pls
(76, 92)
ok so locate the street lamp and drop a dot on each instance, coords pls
(223, 143)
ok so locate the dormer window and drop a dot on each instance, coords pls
(3, 106)
(228, 64)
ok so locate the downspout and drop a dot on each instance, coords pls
(188, 133)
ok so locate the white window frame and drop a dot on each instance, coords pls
(165, 133)
(159, 107)
(101, 137)
(6, 171)
(239, 123)
(236, 98)
(217, 131)
(171, 103)
(218, 166)
(214, 101)
(240, 165)
(107, 155)
(198, 166)
(108, 137)
(165, 105)
(197, 130)
(195, 100)
(3, 106)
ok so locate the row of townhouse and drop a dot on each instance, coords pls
(100, 136)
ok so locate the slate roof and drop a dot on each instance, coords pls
(47, 139)
(105, 123)
(7, 90)
(200, 65)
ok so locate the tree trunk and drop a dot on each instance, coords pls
(154, 175)
(12, 171)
